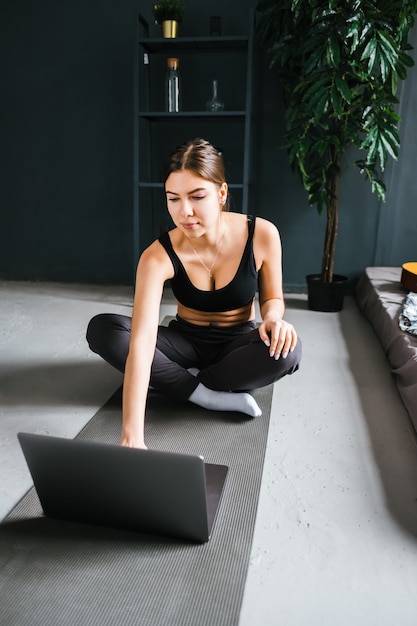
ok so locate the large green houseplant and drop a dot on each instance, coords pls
(338, 63)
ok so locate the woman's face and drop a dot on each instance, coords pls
(194, 203)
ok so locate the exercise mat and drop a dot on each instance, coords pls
(61, 573)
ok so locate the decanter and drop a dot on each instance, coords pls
(214, 104)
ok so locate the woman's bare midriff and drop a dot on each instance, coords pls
(222, 318)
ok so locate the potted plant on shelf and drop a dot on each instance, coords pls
(338, 63)
(169, 15)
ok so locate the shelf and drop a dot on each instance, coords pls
(160, 44)
(156, 130)
(162, 115)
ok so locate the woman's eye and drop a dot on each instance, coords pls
(198, 197)
(172, 199)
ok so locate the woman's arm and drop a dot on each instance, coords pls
(154, 269)
(277, 334)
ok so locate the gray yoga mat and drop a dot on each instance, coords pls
(58, 573)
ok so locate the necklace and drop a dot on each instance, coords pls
(208, 269)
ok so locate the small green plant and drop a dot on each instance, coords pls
(339, 63)
(169, 10)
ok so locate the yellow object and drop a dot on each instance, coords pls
(169, 29)
(409, 276)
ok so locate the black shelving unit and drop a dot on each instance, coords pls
(156, 132)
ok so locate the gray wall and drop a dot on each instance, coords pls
(66, 151)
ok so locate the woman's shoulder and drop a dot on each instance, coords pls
(261, 222)
(265, 230)
(154, 258)
(266, 237)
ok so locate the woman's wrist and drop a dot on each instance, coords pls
(132, 436)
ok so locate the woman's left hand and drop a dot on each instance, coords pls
(279, 336)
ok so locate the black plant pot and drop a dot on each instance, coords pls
(323, 296)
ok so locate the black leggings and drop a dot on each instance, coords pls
(229, 358)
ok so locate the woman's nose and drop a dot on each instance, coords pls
(186, 207)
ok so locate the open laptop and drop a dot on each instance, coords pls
(147, 491)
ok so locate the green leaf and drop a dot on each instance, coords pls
(336, 101)
(333, 51)
(312, 87)
(343, 88)
(406, 59)
(370, 53)
(388, 45)
(321, 107)
(381, 151)
(353, 33)
(391, 144)
(313, 60)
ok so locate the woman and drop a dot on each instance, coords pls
(213, 352)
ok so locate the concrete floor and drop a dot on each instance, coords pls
(336, 535)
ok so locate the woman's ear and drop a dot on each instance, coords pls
(223, 194)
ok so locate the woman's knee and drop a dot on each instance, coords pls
(96, 329)
(275, 369)
(104, 327)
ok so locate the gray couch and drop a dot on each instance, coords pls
(381, 296)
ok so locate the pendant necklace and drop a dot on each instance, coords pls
(208, 269)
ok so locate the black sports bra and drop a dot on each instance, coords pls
(239, 292)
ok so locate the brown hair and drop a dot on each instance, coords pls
(200, 157)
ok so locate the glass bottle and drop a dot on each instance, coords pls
(173, 86)
(214, 104)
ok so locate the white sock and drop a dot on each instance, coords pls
(225, 401)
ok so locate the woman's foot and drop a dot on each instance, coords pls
(225, 401)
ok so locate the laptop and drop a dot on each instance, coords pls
(147, 491)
